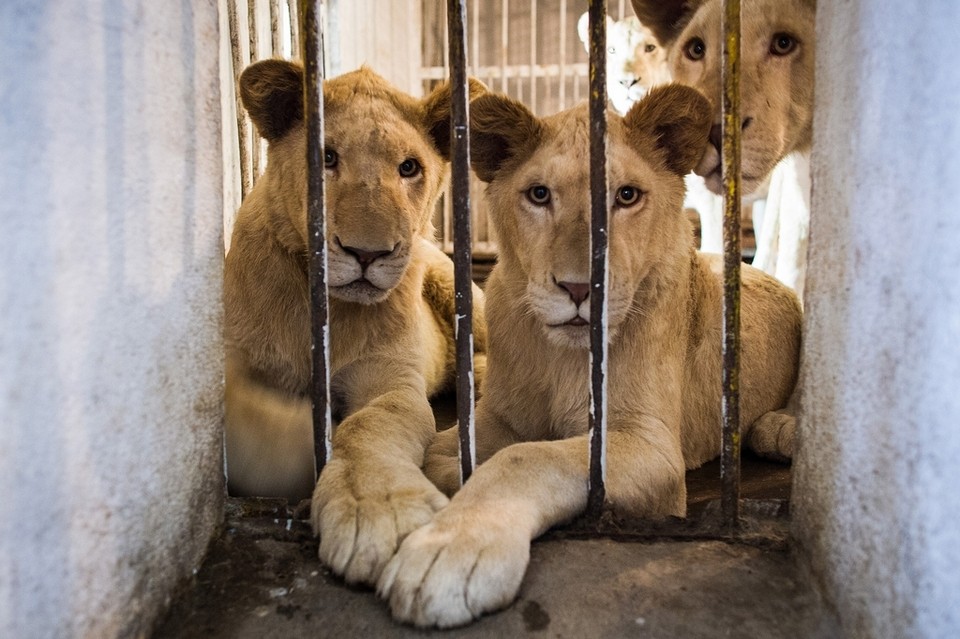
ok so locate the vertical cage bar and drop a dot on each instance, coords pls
(252, 28)
(730, 450)
(598, 256)
(311, 45)
(243, 136)
(462, 253)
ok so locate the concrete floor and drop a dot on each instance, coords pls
(262, 579)
(673, 579)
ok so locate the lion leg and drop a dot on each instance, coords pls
(773, 434)
(373, 493)
(472, 557)
(269, 439)
(442, 461)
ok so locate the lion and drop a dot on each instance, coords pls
(391, 311)
(635, 60)
(664, 352)
(777, 81)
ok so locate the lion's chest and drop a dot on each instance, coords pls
(567, 397)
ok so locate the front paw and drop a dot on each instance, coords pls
(363, 511)
(456, 568)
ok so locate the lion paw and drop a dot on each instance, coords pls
(454, 569)
(773, 435)
(363, 513)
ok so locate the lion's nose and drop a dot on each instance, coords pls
(578, 291)
(364, 257)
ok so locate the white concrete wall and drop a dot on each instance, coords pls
(877, 503)
(110, 318)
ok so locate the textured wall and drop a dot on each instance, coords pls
(876, 499)
(110, 321)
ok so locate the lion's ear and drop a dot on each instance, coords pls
(666, 18)
(501, 129)
(673, 120)
(272, 93)
(436, 109)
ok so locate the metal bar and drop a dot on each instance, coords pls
(730, 450)
(462, 258)
(243, 137)
(599, 258)
(252, 22)
(311, 45)
(276, 43)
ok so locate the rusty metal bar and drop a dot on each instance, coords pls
(243, 137)
(599, 259)
(730, 449)
(311, 45)
(462, 237)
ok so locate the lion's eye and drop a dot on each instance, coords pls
(695, 49)
(628, 196)
(539, 194)
(330, 158)
(650, 47)
(782, 44)
(409, 168)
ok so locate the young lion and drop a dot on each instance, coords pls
(664, 355)
(391, 311)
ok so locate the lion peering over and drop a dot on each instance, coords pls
(391, 311)
(664, 353)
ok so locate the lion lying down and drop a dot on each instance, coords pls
(664, 366)
(391, 311)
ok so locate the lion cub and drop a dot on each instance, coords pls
(664, 366)
(391, 311)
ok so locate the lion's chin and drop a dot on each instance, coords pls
(360, 292)
(574, 336)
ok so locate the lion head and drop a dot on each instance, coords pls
(635, 60)
(539, 191)
(382, 181)
(776, 66)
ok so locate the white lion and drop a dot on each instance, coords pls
(635, 60)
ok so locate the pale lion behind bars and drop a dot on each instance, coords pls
(391, 311)
(664, 357)
(777, 90)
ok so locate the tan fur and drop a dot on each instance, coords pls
(391, 337)
(664, 355)
(776, 91)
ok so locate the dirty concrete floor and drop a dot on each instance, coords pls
(262, 578)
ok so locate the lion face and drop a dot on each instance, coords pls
(777, 64)
(539, 190)
(381, 181)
